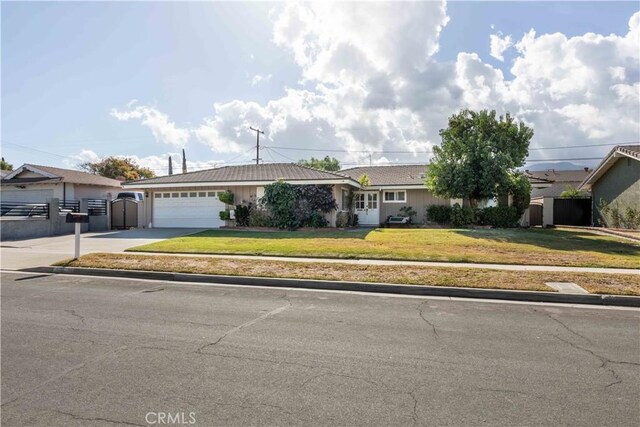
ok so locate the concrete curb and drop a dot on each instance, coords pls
(441, 291)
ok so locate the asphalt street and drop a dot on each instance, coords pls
(84, 351)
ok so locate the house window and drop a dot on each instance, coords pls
(212, 194)
(157, 195)
(202, 194)
(184, 194)
(194, 194)
(395, 196)
(345, 200)
(175, 195)
(359, 201)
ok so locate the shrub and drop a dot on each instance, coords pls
(225, 215)
(260, 218)
(226, 197)
(280, 199)
(439, 214)
(316, 220)
(611, 215)
(293, 206)
(342, 219)
(242, 214)
(461, 215)
(500, 217)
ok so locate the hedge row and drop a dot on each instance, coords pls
(460, 216)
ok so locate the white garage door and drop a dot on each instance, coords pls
(197, 209)
(32, 196)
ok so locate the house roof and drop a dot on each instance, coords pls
(4, 173)
(631, 151)
(564, 176)
(409, 175)
(245, 174)
(53, 174)
(390, 174)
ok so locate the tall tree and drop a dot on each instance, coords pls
(122, 168)
(5, 166)
(478, 156)
(330, 164)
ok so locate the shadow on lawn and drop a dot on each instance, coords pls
(359, 234)
(561, 240)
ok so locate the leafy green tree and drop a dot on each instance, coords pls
(118, 168)
(364, 180)
(5, 166)
(571, 192)
(478, 156)
(330, 164)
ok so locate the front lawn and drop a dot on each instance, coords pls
(620, 284)
(516, 246)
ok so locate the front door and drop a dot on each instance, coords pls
(367, 208)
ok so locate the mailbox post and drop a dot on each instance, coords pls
(78, 219)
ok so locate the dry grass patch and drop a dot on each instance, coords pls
(618, 284)
(497, 246)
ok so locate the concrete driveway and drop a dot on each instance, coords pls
(47, 250)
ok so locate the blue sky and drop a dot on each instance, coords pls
(67, 66)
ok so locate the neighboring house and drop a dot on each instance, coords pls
(616, 180)
(561, 179)
(4, 173)
(191, 199)
(35, 184)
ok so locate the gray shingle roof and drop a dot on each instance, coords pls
(78, 177)
(568, 176)
(390, 175)
(269, 172)
(65, 175)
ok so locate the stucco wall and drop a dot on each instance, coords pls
(620, 185)
(28, 228)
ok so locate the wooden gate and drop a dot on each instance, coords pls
(535, 214)
(124, 214)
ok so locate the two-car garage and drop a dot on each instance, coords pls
(191, 209)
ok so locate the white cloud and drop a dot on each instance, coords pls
(161, 127)
(259, 79)
(369, 82)
(499, 45)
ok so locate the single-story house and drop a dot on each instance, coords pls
(560, 180)
(35, 184)
(616, 180)
(192, 199)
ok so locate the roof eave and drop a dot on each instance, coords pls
(603, 167)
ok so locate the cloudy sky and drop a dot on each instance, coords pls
(359, 81)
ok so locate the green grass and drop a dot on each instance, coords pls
(515, 246)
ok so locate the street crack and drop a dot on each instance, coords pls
(245, 325)
(420, 309)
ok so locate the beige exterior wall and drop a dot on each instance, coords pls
(92, 192)
(418, 199)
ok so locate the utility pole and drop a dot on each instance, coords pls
(258, 132)
(184, 162)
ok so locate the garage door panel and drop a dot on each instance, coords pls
(187, 212)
